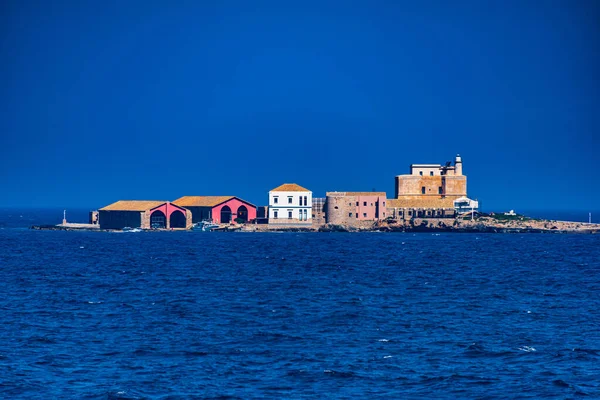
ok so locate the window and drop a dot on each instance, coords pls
(349, 204)
(275, 200)
(349, 214)
(384, 213)
(364, 203)
(275, 214)
(440, 190)
(410, 213)
(421, 173)
(400, 213)
(430, 173)
(305, 200)
(356, 215)
(371, 204)
(384, 203)
(290, 214)
(423, 190)
(357, 204)
(306, 215)
(289, 199)
(365, 215)
(300, 200)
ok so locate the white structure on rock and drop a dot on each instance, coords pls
(464, 204)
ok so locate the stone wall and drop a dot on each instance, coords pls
(289, 221)
(341, 209)
(412, 185)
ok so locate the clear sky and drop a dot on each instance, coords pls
(110, 100)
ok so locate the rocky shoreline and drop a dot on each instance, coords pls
(481, 224)
(458, 225)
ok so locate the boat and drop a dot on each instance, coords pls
(205, 226)
(130, 229)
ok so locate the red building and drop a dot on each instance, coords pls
(219, 209)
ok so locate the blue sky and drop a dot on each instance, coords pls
(149, 100)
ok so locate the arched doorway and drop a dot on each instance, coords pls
(177, 219)
(158, 220)
(242, 214)
(225, 215)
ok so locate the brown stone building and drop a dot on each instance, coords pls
(355, 208)
(428, 191)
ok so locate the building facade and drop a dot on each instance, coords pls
(319, 211)
(144, 214)
(355, 208)
(290, 204)
(218, 209)
(429, 191)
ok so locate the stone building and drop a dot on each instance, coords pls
(290, 204)
(355, 208)
(430, 190)
(145, 214)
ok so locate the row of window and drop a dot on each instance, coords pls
(421, 213)
(291, 200)
(364, 204)
(430, 173)
(424, 189)
(364, 215)
(302, 214)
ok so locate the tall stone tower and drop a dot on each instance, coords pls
(458, 165)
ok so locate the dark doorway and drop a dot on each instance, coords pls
(242, 214)
(158, 220)
(177, 219)
(225, 215)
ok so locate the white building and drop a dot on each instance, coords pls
(290, 204)
(464, 204)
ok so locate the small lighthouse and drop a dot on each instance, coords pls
(64, 217)
(458, 165)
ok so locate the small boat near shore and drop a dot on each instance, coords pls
(205, 226)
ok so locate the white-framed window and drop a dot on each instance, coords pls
(305, 214)
(290, 199)
(290, 214)
(275, 212)
(305, 200)
(275, 199)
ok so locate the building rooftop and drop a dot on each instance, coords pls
(357, 193)
(205, 201)
(133, 205)
(201, 201)
(434, 202)
(290, 187)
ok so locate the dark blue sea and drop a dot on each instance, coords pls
(178, 315)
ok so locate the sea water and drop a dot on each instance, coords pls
(163, 315)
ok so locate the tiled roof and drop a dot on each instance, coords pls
(133, 205)
(433, 202)
(201, 201)
(290, 187)
(381, 194)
